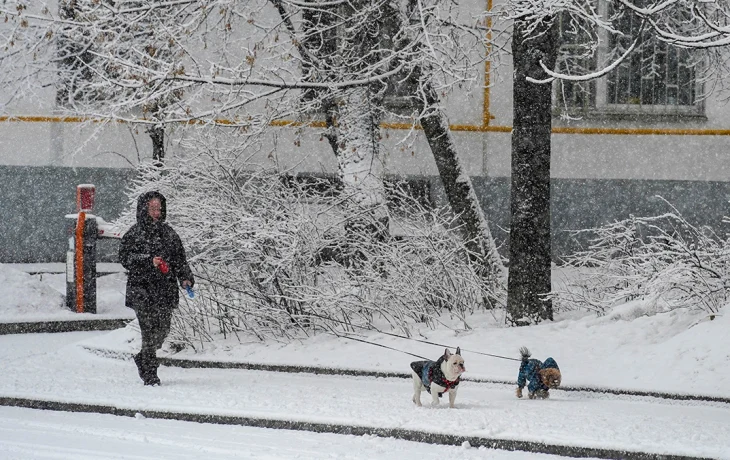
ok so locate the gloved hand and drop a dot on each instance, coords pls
(518, 393)
(164, 267)
(160, 264)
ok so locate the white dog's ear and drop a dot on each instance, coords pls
(447, 353)
(458, 350)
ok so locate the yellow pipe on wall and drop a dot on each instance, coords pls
(462, 128)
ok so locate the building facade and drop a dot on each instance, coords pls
(617, 144)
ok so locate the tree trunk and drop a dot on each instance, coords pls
(461, 196)
(157, 135)
(530, 249)
(457, 184)
(361, 168)
(351, 117)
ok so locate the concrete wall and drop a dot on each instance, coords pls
(586, 203)
(35, 200)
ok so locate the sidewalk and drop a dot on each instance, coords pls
(229, 381)
(42, 374)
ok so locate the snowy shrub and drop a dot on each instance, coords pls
(663, 259)
(272, 258)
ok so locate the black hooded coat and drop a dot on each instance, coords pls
(147, 286)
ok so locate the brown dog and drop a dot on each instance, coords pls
(540, 377)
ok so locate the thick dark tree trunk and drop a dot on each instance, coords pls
(157, 135)
(461, 196)
(529, 248)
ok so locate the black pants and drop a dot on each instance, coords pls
(154, 323)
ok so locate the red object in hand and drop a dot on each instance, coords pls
(164, 268)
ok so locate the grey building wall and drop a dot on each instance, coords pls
(36, 199)
(586, 203)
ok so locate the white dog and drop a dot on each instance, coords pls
(438, 377)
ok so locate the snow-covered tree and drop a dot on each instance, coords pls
(242, 65)
(247, 63)
(256, 243)
(663, 260)
(406, 31)
(602, 36)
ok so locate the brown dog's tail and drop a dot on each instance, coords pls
(525, 353)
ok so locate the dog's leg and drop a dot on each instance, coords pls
(452, 397)
(417, 388)
(435, 390)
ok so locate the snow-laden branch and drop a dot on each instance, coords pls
(588, 76)
(718, 38)
(284, 84)
(662, 259)
(317, 4)
(646, 12)
(268, 253)
(150, 7)
(120, 57)
(662, 18)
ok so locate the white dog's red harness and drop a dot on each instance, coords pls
(443, 382)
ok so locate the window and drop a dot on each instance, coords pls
(576, 57)
(656, 80)
(401, 89)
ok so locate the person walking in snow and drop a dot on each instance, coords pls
(542, 376)
(155, 260)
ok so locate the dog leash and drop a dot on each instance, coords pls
(377, 345)
(372, 328)
(406, 338)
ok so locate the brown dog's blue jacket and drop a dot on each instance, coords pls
(530, 372)
(430, 372)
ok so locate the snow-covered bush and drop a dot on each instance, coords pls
(663, 259)
(273, 260)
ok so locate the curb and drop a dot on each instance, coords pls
(397, 433)
(62, 326)
(295, 369)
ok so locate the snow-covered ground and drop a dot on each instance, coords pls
(630, 348)
(40, 296)
(27, 435)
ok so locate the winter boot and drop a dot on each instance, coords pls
(153, 381)
(147, 369)
(151, 377)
